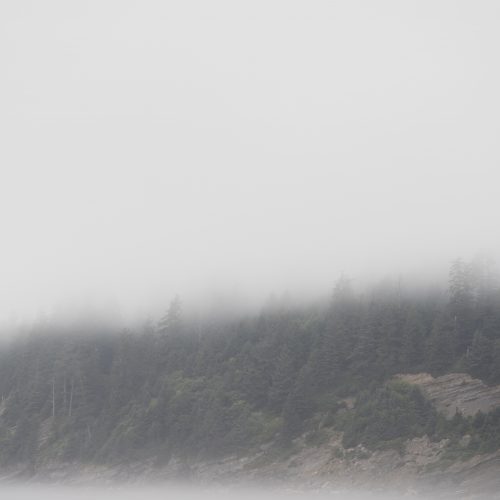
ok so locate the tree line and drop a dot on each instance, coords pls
(228, 386)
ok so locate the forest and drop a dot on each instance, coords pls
(225, 386)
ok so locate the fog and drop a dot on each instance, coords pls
(166, 492)
(241, 148)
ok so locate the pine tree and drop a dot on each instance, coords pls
(461, 287)
(172, 321)
(282, 379)
(298, 407)
(480, 356)
(440, 345)
(413, 343)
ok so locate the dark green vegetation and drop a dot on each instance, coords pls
(388, 415)
(227, 386)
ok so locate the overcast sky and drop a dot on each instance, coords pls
(154, 147)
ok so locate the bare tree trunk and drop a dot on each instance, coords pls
(64, 395)
(53, 396)
(71, 398)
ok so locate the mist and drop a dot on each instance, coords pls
(190, 492)
(153, 148)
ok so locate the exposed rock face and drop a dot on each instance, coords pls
(456, 392)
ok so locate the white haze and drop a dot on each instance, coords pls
(157, 147)
(169, 492)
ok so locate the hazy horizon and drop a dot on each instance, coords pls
(153, 148)
(193, 492)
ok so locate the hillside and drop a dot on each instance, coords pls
(321, 377)
(420, 465)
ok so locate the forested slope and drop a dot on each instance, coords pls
(192, 391)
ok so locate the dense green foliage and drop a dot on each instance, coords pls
(393, 412)
(224, 386)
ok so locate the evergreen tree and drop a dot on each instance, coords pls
(282, 380)
(461, 286)
(413, 341)
(480, 356)
(172, 321)
(298, 406)
(440, 345)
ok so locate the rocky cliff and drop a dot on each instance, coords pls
(456, 392)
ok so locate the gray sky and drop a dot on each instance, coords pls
(153, 147)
